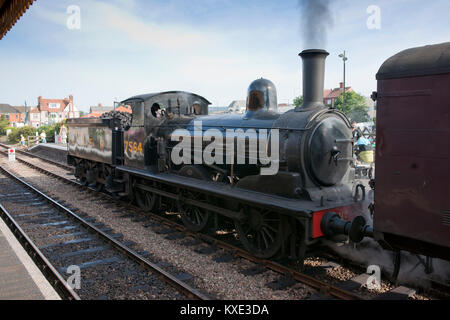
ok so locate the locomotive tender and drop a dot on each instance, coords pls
(272, 214)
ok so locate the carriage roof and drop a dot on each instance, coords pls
(415, 62)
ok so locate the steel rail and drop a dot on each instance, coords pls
(181, 286)
(50, 272)
(322, 286)
(56, 163)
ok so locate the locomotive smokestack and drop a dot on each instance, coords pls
(313, 78)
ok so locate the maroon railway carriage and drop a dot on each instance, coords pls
(412, 194)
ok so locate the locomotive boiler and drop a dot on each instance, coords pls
(279, 212)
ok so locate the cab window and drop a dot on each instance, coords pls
(157, 110)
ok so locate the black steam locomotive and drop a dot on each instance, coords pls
(276, 206)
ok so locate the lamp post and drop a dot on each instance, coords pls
(344, 59)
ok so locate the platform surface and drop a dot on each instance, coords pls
(51, 151)
(62, 147)
(20, 278)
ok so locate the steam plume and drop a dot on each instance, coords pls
(316, 19)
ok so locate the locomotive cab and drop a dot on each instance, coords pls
(154, 116)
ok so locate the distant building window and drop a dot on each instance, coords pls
(54, 105)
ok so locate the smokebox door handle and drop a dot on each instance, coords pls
(335, 152)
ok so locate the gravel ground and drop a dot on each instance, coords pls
(220, 280)
(118, 279)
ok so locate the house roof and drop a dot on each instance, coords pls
(21, 109)
(98, 114)
(101, 109)
(335, 93)
(10, 13)
(6, 108)
(44, 104)
(92, 115)
(124, 109)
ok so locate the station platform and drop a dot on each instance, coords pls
(20, 278)
(62, 147)
(56, 152)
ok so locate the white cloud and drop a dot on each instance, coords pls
(153, 35)
(123, 50)
(56, 17)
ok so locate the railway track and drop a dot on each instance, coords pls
(346, 290)
(51, 274)
(35, 156)
(62, 240)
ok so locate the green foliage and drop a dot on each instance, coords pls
(27, 131)
(298, 101)
(50, 131)
(355, 106)
(14, 136)
(4, 124)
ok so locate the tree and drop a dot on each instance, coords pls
(298, 101)
(355, 106)
(50, 131)
(4, 123)
(14, 137)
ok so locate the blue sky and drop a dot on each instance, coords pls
(213, 48)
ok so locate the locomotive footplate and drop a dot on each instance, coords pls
(292, 207)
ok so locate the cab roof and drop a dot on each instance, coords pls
(144, 97)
